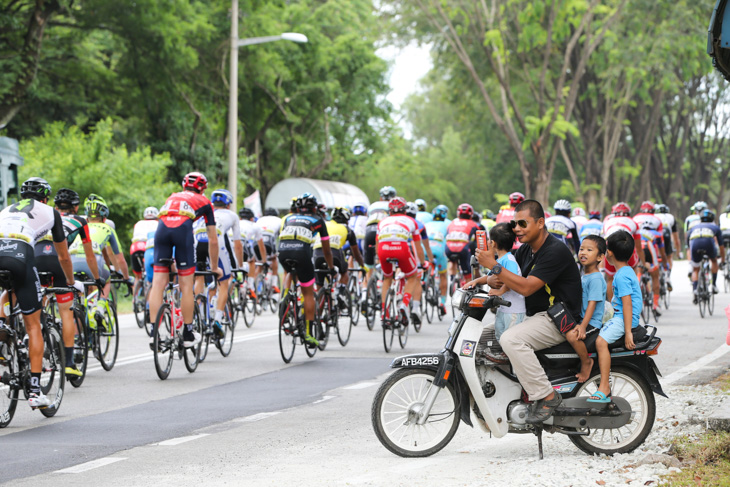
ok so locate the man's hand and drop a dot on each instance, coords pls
(78, 286)
(581, 331)
(629, 341)
(217, 271)
(486, 257)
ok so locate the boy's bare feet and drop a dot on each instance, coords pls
(585, 370)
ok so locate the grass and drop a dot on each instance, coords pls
(124, 304)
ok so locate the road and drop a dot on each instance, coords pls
(249, 419)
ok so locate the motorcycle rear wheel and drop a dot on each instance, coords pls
(395, 425)
(633, 387)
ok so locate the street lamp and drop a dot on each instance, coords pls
(233, 92)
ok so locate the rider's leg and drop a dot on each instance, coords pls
(655, 285)
(714, 270)
(68, 325)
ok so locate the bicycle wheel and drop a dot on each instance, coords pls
(288, 333)
(191, 356)
(234, 299)
(273, 302)
(710, 293)
(225, 344)
(8, 369)
(248, 306)
(344, 327)
(81, 356)
(164, 342)
(702, 293)
(389, 321)
(371, 303)
(403, 333)
(431, 299)
(138, 306)
(453, 286)
(108, 336)
(201, 305)
(325, 318)
(53, 375)
(727, 275)
(259, 287)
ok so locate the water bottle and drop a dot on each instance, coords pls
(6, 308)
(211, 305)
(178, 318)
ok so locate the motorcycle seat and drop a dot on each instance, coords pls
(642, 339)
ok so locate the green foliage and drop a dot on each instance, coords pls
(92, 163)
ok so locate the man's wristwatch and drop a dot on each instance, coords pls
(496, 269)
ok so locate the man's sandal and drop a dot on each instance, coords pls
(544, 409)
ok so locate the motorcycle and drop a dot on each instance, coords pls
(418, 408)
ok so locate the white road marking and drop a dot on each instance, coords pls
(696, 365)
(181, 440)
(324, 398)
(360, 385)
(256, 417)
(83, 467)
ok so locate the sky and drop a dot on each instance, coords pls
(408, 65)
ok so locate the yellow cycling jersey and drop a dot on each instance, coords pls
(101, 235)
(337, 233)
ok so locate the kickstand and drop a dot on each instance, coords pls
(538, 433)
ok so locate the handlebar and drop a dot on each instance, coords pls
(356, 269)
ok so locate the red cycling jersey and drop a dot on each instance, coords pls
(459, 233)
(186, 205)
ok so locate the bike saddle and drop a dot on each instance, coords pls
(291, 263)
(642, 339)
(166, 262)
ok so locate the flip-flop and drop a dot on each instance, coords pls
(602, 398)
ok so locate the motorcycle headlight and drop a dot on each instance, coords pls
(457, 298)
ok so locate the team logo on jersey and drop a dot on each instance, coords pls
(8, 245)
(46, 249)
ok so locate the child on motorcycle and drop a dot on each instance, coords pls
(591, 255)
(627, 306)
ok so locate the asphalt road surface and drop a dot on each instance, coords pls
(250, 419)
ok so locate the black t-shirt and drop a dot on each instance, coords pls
(554, 264)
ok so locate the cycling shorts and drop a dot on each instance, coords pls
(700, 246)
(202, 260)
(371, 237)
(138, 262)
(438, 249)
(46, 260)
(668, 246)
(201, 256)
(140, 246)
(400, 251)
(651, 256)
(304, 266)
(611, 270)
(726, 238)
(20, 261)
(80, 265)
(181, 240)
(248, 253)
(270, 251)
(338, 259)
(149, 258)
(462, 257)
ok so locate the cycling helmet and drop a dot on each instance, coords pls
(562, 205)
(516, 198)
(322, 210)
(293, 205)
(727, 209)
(621, 209)
(595, 215)
(360, 209)
(397, 205)
(421, 204)
(578, 211)
(341, 215)
(661, 208)
(699, 206)
(387, 193)
(245, 213)
(66, 198)
(488, 214)
(95, 205)
(195, 181)
(440, 212)
(150, 213)
(476, 217)
(707, 216)
(646, 207)
(411, 209)
(307, 202)
(36, 188)
(221, 197)
(465, 210)
(272, 211)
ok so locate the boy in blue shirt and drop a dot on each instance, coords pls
(626, 304)
(591, 254)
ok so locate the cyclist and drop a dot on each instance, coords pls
(437, 230)
(652, 241)
(270, 224)
(594, 225)
(412, 211)
(226, 223)
(704, 237)
(298, 232)
(563, 228)
(251, 238)
(694, 217)
(422, 215)
(620, 219)
(140, 235)
(102, 236)
(579, 217)
(488, 219)
(20, 225)
(459, 235)
(671, 237)
(507, 212)
(341, 237)
(46, 259)
(725, 227)
(376, 213)
(358, 222)
(395, 233)
(176, 231)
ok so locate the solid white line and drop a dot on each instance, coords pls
(360, 385)
(181, 440)
(83, 467)
(324, 398)
(696, 365)
(256, 417)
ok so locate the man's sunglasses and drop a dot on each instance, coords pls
(521, 223)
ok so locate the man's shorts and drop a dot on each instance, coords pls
(699, 247)
(726, 238)
(201, 256)
(438, 249)
(613, 330)
(651, 257)
(611, 270)
(248, 253)
(400, 251)
(371, 234)
(137, 259)
(17, 257)
(668, 246)
(462, 256)
(338, 259)
(302, 255)
(46, 260)
(178, 238)
(270, 251)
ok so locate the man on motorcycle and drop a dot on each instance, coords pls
(551, 276)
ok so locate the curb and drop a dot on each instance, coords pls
(720, 419)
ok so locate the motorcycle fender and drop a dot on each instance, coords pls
(652, 371)
(494, 409)
(430, 361)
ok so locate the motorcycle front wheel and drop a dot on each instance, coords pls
(633, 387)
(394, 414)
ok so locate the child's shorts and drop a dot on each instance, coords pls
(613, 329)
(506, 320)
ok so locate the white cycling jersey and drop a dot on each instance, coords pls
(398, 228)
(725, 221)
(669, 223)
(358, 224)
(270, 227)
(249, 230)
(142, 230)
(377, 212)
(614, 223)
(28, 220)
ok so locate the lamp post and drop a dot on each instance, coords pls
(233, 92)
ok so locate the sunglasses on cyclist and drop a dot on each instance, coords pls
(521, 223)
